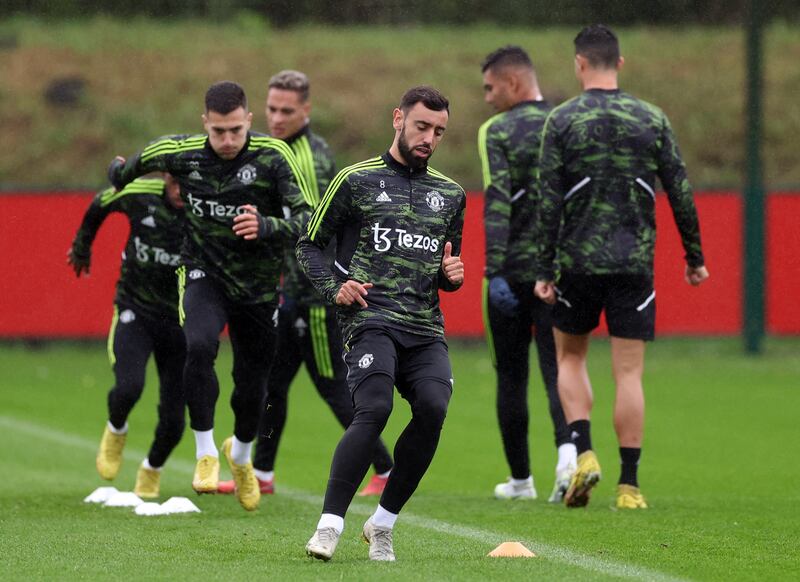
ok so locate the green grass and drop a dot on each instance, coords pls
(718, 469)
(146, 78)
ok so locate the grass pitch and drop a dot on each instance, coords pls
(718, 469)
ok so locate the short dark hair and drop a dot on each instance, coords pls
(289, 80)
(428, 96)
(224, 97)
(510, 55)
(599, 45)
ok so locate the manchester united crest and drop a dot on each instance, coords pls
(435, 200)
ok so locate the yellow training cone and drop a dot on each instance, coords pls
(511, 550)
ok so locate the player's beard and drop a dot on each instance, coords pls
(414, 161)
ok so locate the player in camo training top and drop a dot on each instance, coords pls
(235, 185)
(307, 330)
(397, 224)
(145, 318)
(601, 154)
(508, 144)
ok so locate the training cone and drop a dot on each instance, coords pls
(511, 550)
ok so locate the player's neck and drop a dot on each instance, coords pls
(606, 80)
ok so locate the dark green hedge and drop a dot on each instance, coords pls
(518, 12)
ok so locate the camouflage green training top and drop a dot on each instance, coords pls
(264, 174)
(316, 162)
(147, 278)
(391, 225)
(508, 144)
(601, 153)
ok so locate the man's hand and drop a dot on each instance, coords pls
(113, 171)
(452, 266)
(353, 292)
(502, 297)
(696, 275)
(248, 224)
(546, 291)
(78, 264)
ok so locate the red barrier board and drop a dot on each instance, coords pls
(41, 297)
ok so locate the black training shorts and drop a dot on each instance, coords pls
(407, 358)
(629, 302)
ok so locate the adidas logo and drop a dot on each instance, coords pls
(383, 197)
(195, 175)
(574, 435)
(149, 221)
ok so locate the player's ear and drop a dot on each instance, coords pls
(397, 119)
(620, 63)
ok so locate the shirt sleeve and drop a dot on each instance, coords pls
(155, 157)
(496, 195)
(549, 191)
(672, 173)
(329, 217)
(101, 206)
(454, 233)
(294, 195)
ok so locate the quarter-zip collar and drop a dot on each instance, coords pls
(402, 169)
(292, 138)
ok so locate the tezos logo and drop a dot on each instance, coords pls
(403, 239)
(246, 174)
(127, 316)
(196, 274)
(435, 200)
(366, 361)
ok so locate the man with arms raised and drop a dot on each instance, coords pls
(397, 223)
(235, 185)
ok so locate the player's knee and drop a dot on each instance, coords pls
(430, 407)
(372, 400)
(127, 390)
(201, 349)
(374, 412)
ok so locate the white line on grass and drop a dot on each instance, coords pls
(549, 551)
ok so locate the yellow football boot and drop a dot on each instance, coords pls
(247, 490)
(629, 497)
(109, 456)
(586, 476)
(206, 475)
(148, 483)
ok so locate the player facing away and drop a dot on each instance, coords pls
(508, 144)
(397, 223)
(235, 184)
(145, 319)
(307, 329)
(601, 154)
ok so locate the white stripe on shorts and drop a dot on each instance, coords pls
(647, 301)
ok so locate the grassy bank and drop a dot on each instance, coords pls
(147, 78)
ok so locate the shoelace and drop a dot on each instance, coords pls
(327, 535)
(382, 540)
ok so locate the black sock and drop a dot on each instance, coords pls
(629, 458)
(580, 433)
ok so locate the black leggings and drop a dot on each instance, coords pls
(135, 337)
(511, 340)
(252, 335)
(413, 451)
